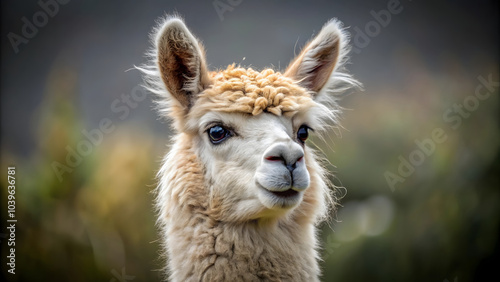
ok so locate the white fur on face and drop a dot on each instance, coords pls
(260, 170)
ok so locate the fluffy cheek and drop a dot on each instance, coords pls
(231, 181)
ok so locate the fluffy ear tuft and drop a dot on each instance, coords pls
(316, 67)
(181, 61)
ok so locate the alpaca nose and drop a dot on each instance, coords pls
(289, 155)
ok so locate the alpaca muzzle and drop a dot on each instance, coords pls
(283, 168)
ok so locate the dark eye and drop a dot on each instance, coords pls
(217, 134)
(303, 133)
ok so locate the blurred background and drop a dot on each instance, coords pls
(418, 155)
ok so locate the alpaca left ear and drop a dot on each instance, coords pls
(181, 62)
(314, 66)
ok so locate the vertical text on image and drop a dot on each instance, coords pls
(11, 221)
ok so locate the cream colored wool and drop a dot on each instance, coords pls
(218, 213)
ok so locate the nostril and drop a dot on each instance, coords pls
(275, 159)
(283, 160)
(293, 166)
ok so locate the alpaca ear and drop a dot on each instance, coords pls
(315, 65)
(181, 61)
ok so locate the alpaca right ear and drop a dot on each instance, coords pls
(181, 62)
(314, 68)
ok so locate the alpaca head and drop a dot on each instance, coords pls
(248, 129)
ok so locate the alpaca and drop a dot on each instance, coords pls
(240, 193)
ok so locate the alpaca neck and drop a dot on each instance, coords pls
(203, 249)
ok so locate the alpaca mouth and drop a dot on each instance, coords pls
(279, 199)
(285, 194)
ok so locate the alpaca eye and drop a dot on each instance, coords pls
(217, 134)
(303, 133)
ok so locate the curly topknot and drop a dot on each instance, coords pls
(249, 91)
